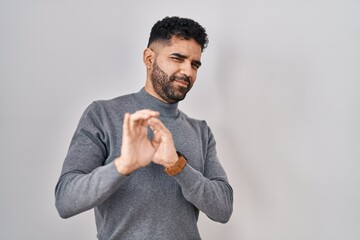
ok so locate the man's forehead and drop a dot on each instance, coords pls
(186, 47)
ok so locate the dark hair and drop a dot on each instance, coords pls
(184, 28)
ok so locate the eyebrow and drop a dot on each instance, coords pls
(179, 55)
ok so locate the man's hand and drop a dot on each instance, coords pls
(165, 154)
(136, 150)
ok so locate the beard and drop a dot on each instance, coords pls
(166, 87)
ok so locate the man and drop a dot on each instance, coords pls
(142, 164)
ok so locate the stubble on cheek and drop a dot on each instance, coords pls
(167, 87)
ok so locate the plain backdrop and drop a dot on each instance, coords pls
(279, 87)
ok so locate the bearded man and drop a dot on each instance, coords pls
(144, 166)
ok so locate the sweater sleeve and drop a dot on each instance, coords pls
(85, 181)
(210, 192)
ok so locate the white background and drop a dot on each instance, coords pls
(279, 87)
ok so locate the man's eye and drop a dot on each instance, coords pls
(196, 66)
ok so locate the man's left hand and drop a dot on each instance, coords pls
(165, 154)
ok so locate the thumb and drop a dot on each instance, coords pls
(156, 140)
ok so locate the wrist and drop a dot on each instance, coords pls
(172, 162)
(177, 167)
(122, 167)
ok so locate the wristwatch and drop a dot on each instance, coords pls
(178, 167)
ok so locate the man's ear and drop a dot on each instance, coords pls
(148, 57)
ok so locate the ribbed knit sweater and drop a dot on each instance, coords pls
(148, 204)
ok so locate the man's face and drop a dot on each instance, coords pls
(175, 68)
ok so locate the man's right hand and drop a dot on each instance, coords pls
(137, 150)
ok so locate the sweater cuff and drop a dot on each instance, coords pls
(188, 177)
(112, 176)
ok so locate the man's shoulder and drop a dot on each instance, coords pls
(110, 107)
(196, 122)
(116, 103)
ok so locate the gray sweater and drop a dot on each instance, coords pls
(148, 204)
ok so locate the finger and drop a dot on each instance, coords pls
(126, 124)
(157, 125)
(156, 137)
(144, 114)
(155, 142)
(140, 118)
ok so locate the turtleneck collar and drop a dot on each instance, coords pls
(148, 101)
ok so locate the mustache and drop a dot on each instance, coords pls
(182, 78)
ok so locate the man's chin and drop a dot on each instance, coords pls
(174, 98)
(176, 94)
(181, 92)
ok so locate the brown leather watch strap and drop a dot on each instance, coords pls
(178, 167)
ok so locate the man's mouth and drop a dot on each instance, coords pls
(182, 81)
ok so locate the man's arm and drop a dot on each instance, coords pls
(77, 191)
(211, 193)
(84, 182)
(212, 196)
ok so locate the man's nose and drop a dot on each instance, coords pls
(187, 70)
